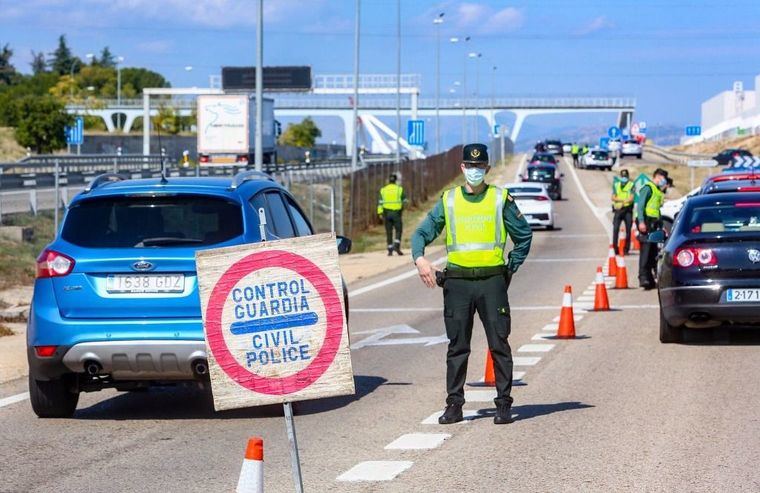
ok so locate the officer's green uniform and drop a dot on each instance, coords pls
(477, 226)
(390, 204)
(648, 206)
(622, 207)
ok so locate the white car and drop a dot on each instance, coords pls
(630, 148)
(597, 158)
(534, 202)
(567, 147)
(671, 208)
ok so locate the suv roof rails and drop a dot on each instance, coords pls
(248, 175)
(103, 179)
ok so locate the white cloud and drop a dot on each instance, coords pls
(596, 24)
(485, 19)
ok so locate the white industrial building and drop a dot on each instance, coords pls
(731, 113)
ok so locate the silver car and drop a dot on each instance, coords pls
(630, 148)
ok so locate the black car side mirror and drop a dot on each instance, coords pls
(344, 245)
(656, 236)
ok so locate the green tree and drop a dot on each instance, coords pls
(62, 60)
(302, 134)
(168, 120)
(30, 85)
(106, 59)
(41, 122)
(7, 70)
(38, 63)
(140, 78)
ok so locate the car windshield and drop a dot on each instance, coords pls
(599, 154)
(544, 158)
(630, 142)
(742, 217)
(541, 172)
(140, 222)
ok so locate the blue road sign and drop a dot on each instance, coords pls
(415, 132)
(614, 132)
(604, 143)
(693, 130)
(75, 133)
(626, 132)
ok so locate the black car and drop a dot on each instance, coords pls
(548, 174)
(543, 157)
(709, 270)
(554, 147)
(725, 156)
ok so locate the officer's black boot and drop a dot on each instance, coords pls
(390, 250)
(503, 414)
(452, 414)
(397, 248)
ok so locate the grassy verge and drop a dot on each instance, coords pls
(17, 260)
(5, 331)
(680, 173)
(9, 148)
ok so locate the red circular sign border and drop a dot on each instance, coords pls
(333, 313)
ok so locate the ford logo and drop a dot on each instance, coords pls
(142, 265)
(754, 255)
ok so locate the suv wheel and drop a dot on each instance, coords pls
(53, 398)
(668, 333)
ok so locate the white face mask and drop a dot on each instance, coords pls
(474, 176)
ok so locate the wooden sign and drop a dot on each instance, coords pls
(274, 319)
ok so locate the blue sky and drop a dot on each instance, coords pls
(669, 54)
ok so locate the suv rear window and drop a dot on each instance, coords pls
(140, 222)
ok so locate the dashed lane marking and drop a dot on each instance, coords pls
(535, 348)
(525, 360)
(480, 395)
(585, 297)
(418, 441)
(390, 280)
(577, 318)
(7, 401)
(542, 337)
(550, 327)
(376, 470)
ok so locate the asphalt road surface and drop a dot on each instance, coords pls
(612, 411)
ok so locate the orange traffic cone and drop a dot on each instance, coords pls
(566, 329)
(489, 379)
(635, 245)
(601, 302)
(621, 279)
(252, 473)
(621, 242)
(611, 263)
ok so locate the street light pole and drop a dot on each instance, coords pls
(398, 81)
(118, 87)
(438, 21)
(476, 56)
(259, 140)
(351, 139)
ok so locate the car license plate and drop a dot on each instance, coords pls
(145, 283)
(743, 295)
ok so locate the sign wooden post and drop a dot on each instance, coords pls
(275, 325)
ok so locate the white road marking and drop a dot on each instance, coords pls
(390, 280)
(601, 216)
(518, 375)
(550, 327)
(542, 337)
(525, 360)
(526, 308)
(585, 297)
(7, 401)
(535, 348)
(418, 441)
(379, 334)
(376, 470)
(469, 415)
(577, 318)
(560, 260)
(480, 395)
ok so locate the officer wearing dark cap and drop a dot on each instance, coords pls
(650, 199)
(622, 208)
(477, 218)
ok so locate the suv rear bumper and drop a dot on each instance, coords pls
(139, 359)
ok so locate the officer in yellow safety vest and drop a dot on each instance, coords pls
(574, 150)
(390, 204)
(477, 218)
(650, 200)
(622, 208)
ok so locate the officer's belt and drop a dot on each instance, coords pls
(474, 272)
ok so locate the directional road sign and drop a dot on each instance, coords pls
(614, 132)
(745, 162)
(702, 163)
(643, 127)
(75, 133)
(604, 142)
(415, 132)
(693, 130)
(274, 320)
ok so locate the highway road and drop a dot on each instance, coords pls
(612, 411)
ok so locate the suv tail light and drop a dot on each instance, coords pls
(688, 257)
(45, 351)
(203, 158)
(53, 264)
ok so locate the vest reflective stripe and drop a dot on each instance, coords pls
(653, 205)
(482, 246)
(390, 197)
(622, 194)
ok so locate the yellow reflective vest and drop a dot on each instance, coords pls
(391, 198)
(623, 195)
(475, 231)
(653, 205)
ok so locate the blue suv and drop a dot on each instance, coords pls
(116, 300)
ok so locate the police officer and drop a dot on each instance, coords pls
(574, 150)
(622, 207)
(390, 204)
(477, 218)
(650, 199)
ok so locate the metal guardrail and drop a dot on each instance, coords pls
(674, 156)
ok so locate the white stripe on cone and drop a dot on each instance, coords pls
(620, 262)
(567, 300)
(251, 477)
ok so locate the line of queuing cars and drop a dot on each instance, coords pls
(709, 267)
(539, 186)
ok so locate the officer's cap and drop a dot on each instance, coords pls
(475, 153)
(624, 173)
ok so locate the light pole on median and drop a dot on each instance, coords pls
(438, 21)
(258, 137)
(464, 90)
(398, 81)
(352, 139)
(476, 56)
(119, 59)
